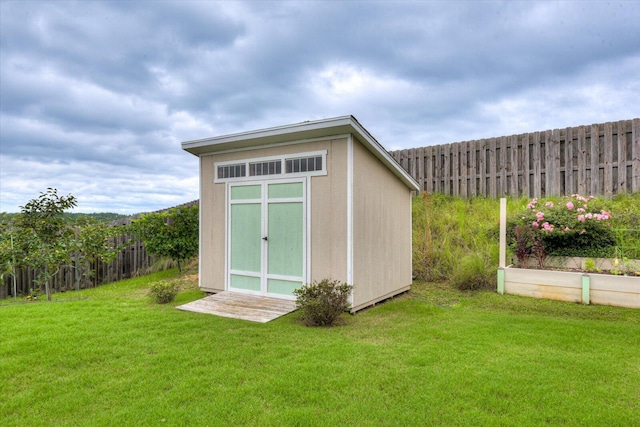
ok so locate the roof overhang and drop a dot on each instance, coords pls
(299, 132)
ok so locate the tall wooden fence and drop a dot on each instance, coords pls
(600, 159)
(131, 261)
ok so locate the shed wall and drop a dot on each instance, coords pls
(381, 230)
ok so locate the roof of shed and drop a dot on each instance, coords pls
(298, 132)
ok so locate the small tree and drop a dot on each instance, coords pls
(47, 238)
(172, 234)
(94, 241)
(9, 250)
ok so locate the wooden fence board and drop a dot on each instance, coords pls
(473, 168)
(537, 173)
(482, 165)
(491, 168)
(569, 181)
(501, 146)
(622, 157)
(608, 159)
(513, 166)
(420, 160)
(635, 156)
(455, 169)
(464, 168)
(595, 160)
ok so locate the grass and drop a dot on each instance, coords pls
(434, 356)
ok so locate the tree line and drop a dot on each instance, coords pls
(46, 238)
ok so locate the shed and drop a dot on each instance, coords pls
(284, 206)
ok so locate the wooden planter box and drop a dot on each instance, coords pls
(587, 288)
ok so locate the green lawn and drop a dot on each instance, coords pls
(434, 356)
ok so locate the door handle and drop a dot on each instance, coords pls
(265, 238)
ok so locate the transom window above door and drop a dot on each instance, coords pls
(301, 164)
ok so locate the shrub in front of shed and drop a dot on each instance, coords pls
(321, 303)
(163, 292)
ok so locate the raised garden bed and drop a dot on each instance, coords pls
(573, 286)
(571, 279)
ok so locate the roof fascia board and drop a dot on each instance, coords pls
(279, 144)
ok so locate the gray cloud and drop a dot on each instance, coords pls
(95, 97)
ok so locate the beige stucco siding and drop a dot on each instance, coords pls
(327, 245)
(329, 217)
(212, 229)
(381, 230)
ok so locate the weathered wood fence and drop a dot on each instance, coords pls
(600, 159)
(131, 261)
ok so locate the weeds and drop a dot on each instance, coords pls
(447, 230)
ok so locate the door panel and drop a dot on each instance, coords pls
(249, 283)
(246, 237)
(246, 192)
(285, 239)
(282, 287)
(286, 190)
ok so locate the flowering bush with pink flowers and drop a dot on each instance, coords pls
(571, 226)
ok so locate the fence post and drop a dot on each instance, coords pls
(503, 232)
(503, 244)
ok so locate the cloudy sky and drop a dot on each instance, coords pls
(96, 96)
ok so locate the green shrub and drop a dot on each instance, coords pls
(321, 303)
(163, 292)
(474, 272)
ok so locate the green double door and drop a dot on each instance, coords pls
(267, 237)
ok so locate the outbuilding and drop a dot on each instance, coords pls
(288, 205)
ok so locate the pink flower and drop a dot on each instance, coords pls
(580, 210)
(549, 204)
(539, 216)
(535, 224)
(581, 218)
(570, 206)
(566, 229)
(589, 215)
